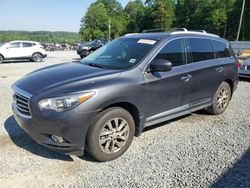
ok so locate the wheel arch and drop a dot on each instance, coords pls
(36, 53)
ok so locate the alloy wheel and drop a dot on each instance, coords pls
(114, 135)
(37, 57)
(223, 98)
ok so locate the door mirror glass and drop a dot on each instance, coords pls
(160, 65)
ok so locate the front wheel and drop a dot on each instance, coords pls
(37, 57)
(110, 134)
(221, 99)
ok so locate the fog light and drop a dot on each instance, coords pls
(57, 139)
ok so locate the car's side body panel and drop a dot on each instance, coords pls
(156, 96)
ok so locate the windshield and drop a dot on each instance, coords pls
(121, 53)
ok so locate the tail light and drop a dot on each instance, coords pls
(238, 64)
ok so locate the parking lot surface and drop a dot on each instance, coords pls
(197, 150)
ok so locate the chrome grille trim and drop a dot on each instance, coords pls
(21, 102)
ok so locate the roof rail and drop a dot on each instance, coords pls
(201, 31)
(164, 30)
(174, 31)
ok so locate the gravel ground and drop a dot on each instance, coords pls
(196, 150)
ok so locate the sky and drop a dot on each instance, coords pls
(44, 15)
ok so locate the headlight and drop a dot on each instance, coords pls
(63, 103)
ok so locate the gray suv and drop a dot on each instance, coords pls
(131, 83)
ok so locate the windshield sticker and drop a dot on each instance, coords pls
(146, 41)
(132, 60)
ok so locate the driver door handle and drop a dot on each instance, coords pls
(186, 78)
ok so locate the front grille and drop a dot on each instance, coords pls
(247, 67)
(22, 104)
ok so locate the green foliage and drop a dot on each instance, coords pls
(95, 24)
(220, 17)
(233, 21)
(216, 16)
(40, 36)
(163, 13)
(135, 12)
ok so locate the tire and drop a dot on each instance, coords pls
(37, 57)
(221, 99)
(1, 59)
(110, 134)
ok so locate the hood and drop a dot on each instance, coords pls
(58, 75)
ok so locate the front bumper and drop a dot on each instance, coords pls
(72, 127)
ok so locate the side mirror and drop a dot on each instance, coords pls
(160, 65)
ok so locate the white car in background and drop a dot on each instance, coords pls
(16, 50)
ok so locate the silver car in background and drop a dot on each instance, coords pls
(245, 69)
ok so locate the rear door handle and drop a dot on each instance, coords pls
(220, 69)
(186, 78)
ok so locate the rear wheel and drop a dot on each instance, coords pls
(221, 99)
(37, 57)
(1, 59)
(110, 134)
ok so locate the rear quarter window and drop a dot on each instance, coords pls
(221, 49)
(201, 49)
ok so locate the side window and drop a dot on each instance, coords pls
(221, 49)
(175, 52)
(201, 49)
(26, 44)
(15, 45)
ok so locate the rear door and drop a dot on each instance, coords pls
(27, 49)
(207, 72)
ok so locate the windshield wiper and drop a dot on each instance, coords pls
(95, 65)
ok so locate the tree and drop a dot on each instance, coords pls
(95, 22)
(233, 21)
(116, 15)
(135, 12)
(163, 13)
(210, 15)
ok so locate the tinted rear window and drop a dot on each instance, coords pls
(201, 49)
(221, 49)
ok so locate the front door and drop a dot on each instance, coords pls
(13, 50)
(168, 93)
